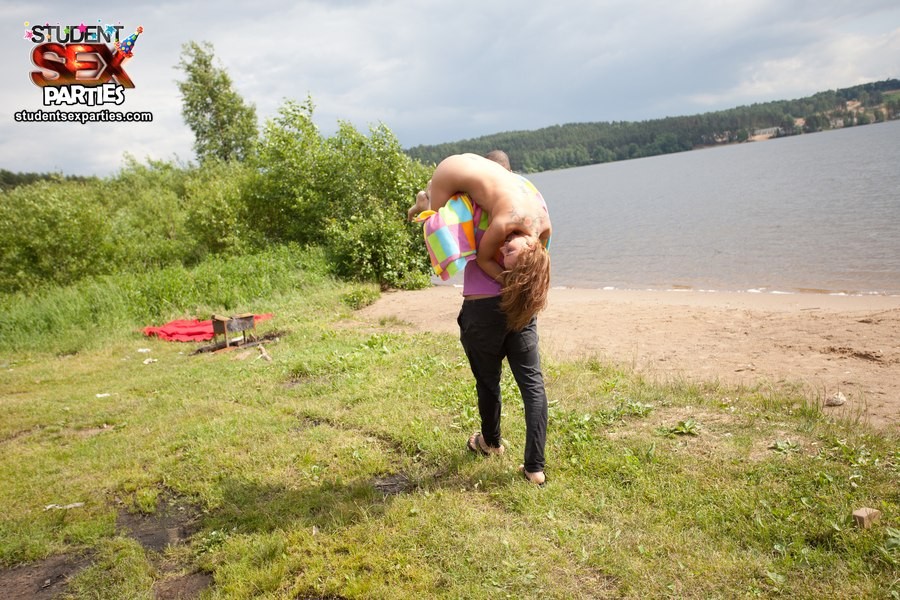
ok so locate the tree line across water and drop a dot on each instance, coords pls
(578, 144)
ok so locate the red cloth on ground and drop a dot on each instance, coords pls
(190, 330)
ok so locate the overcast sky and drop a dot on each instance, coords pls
(443, 71)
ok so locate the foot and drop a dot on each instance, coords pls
(536, 478)
(477, 444)
(422, 204)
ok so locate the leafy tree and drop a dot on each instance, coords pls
(283, 201)
(224, 126)
(892, 105)
(815, 123)
(348, 193)
(787, 125)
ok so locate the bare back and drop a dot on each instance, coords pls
(513, 205)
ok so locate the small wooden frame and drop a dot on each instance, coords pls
(224, 325)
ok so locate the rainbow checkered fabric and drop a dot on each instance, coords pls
(452, 234)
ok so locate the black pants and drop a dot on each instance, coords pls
(482, 331)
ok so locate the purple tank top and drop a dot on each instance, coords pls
(478, 283)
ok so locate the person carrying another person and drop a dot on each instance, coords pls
(494, 224)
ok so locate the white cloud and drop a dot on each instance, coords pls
(436, 72)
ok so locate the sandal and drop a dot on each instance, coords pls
(476, 443)
(538, 478)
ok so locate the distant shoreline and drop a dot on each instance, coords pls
(748, 298)
(690, 290)
(800, 292)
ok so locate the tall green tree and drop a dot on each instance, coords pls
(224, 125)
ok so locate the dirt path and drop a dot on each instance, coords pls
(829, 343)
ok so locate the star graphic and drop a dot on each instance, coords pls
(110, 29)
(28, 35)
(67, 30)
(82, 28)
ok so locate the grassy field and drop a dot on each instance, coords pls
(338, 469)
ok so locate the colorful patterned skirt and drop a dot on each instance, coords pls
(452, 234)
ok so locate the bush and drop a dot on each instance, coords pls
(217, 217)
(283, 201)
(52, 232)
(145, 204)
(349, 192)
(59, 232)
(376, 248)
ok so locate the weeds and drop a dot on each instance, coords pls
(685, 427)
(340, 470)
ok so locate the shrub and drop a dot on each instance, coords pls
(376, 248)
(54, 232)
(215, 203)
(348, 193)
(283, 202)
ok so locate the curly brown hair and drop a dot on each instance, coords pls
(525, 287)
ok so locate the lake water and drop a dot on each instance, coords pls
(811, 213)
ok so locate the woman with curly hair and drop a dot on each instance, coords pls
(526, 281)
(494, 224)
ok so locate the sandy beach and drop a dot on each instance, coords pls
(828, 344)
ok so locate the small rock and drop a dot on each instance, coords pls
(866, 517)
(836, 399)
(150, 361)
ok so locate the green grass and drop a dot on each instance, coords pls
(339, 469)
(68, 319)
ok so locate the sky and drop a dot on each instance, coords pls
(437, 72)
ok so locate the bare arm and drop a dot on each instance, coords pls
(490, 243)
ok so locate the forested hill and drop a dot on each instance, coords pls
(577, 144)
